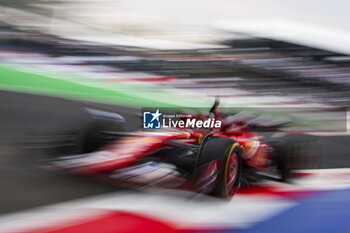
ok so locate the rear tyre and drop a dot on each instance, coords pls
(295, 155)
(102, 128)
(229, 153)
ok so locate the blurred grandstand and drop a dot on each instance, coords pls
(244, 70)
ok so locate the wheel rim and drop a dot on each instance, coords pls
(232, 172)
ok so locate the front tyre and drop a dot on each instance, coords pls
(229, 153)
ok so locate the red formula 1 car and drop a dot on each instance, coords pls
(215, 162)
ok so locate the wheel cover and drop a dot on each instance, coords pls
(232, 172)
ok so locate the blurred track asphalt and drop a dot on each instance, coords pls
(23, 183)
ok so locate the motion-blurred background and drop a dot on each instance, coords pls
(58, 57)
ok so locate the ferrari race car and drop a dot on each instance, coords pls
(215, 162)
